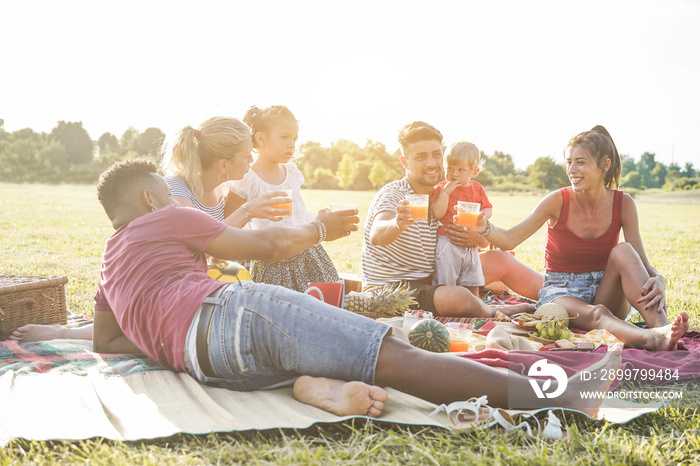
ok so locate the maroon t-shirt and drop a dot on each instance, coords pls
(154, 279)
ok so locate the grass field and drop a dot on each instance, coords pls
(60, 230)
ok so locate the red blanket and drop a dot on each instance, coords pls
(686, 363)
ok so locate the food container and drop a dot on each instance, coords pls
(411, 317)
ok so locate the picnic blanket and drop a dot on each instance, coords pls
(63, 390)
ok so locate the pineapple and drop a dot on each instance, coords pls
(358, 302)
(386, 301)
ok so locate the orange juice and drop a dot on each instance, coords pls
(419, 212)
(286, 205)
(459, 346)
(467, 219)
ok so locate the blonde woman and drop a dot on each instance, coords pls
(199, 161)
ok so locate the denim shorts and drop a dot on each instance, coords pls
(576, 285)
(265, 336)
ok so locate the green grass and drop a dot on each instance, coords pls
(60, 230)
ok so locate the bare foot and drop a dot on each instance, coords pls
(511, 309)
(667, 338)
(588, 381)
(340, 397)
(34, 332)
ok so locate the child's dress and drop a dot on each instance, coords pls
(310, 265)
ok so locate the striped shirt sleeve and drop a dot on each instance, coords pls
(411, 256)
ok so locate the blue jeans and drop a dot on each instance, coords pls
(264, 336)
(577, 285)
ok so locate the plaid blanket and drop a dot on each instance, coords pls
(68, 356)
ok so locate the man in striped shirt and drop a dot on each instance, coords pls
(398, 248)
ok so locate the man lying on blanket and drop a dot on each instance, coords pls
(155, 297)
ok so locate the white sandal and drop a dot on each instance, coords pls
(505, 420)
(550, 428)
(457, 412)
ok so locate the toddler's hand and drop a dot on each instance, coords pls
(451, 186)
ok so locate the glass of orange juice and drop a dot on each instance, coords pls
(335, 206)
(285, 205)
(460, 337)
(468, 213)
(419, 206)
(342, 206)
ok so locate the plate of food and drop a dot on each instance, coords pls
(545, 341)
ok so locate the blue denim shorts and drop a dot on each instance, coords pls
(265, 336)
(576, 285)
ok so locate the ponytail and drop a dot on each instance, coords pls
(192, 151)
(181, 158)
(612, 176)
(263, 120)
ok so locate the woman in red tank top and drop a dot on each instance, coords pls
(587, 270)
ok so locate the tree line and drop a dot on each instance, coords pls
(68, 155)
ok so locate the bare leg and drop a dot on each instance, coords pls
(457, 301)
(511, 309)
(500, 265)
(507, 309)
(622, 283)
(598, 316)
(473, 290)
(340, 397)
(444, 379)
(34, 332)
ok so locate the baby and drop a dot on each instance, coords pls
(457, 265)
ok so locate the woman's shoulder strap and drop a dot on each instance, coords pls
(617, 206)
(565, 206)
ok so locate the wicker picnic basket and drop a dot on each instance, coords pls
(31, 300)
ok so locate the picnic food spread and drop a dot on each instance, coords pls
(545, 327)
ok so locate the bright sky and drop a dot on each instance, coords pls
(517, 76)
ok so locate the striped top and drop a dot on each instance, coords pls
(179, 188)
(411, 256)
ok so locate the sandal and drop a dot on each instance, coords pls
(467, 414)
(550, 428)
(505, 420)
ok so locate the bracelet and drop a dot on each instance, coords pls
(248, 217)
(321, 231)
(488, 230)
